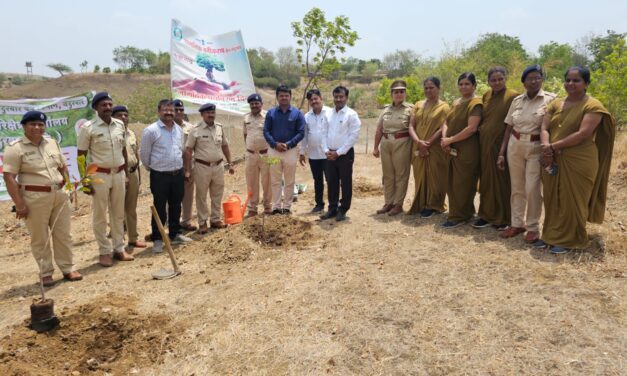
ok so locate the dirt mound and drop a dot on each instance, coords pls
(362, 188)
(105, 336)
(278, 231)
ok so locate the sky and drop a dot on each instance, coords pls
(70, 32)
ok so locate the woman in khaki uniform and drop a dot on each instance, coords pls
(494, 208)
(33, 173)
(577, 141)
(393, 135)
(430, 163)
(461, 142)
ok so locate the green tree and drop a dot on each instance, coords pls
(555, 58)
(609, 82)
(83, 65)
(133, 59)
(494, 49)
(60, 68)
(319, 40)
(161, 64)
(106, 70)
(289, 69)
(601, 46)
(96, 68)
(400, 63)
(262, 63)
(369, 71)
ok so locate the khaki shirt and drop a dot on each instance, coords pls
(207, 141)
(34, 165)
(526, 115)
(103, 142)
(186, 127)
(395, 118)
(253, 130)
(131, 149)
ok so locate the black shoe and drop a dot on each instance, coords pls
(277, 211)
(481, 223)
(329, 215)
(286, 211)
(341, 216)
(317, 208)
(427, 213)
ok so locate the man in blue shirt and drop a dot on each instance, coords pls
(283, 129)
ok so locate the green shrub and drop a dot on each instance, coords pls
(268, 82)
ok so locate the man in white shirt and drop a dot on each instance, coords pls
(315, 130)
(343, 131)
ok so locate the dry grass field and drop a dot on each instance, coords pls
(374, 295)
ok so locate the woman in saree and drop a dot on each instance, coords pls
(461, 142)
(430, 163)
(494, 189)
(577, 140)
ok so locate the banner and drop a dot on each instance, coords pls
(210, 69)
(65, 117)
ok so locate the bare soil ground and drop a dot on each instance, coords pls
(374, 295)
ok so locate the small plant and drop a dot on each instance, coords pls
(87, 175)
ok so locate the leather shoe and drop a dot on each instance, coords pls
(396, 209)
(106, 260)
(73, 276)
(531, 236)
(317, 209)
(137, 244)
(341, 216)
(203, 229)
(386, 208)
(188, 227)
(217, 224)
(123, 256)
(329, 215)
(512, 231)
(148, 238)
(47, 281)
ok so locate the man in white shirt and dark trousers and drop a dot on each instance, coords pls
(343, 131)
(161, 153)
(315, 130)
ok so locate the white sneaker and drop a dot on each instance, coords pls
(157, 246)
(180, 239)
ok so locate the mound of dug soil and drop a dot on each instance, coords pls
(105, 336)
(362, 188)
(278, 231)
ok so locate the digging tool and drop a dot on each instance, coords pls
(165, 273)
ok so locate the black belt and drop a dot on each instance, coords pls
(171, 173)
(208, 163)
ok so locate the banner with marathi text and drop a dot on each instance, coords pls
(65, 117)
(210, 69)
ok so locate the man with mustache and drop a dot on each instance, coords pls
(104, 139)
(161, 152)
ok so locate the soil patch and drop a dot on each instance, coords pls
(278, 231)
(107, 335)
(362, 188)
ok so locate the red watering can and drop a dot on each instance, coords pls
(233, 210)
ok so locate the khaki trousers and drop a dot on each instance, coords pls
(283, 172)
(188, 200)
(109, 196)
(523, 159)
(257, 168)
(49, 213)
(211, 179)
(396, 165)
(130, 206)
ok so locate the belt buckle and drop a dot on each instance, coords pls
(525, 137)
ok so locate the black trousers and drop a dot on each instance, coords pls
(340, 177)
(167, 190)
(318, 171)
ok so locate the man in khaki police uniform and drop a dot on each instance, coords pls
(256, 148)
(104, 139)
(134, 179)
(188, 196)
(33, 173)
(393, 135)
(208, 143)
